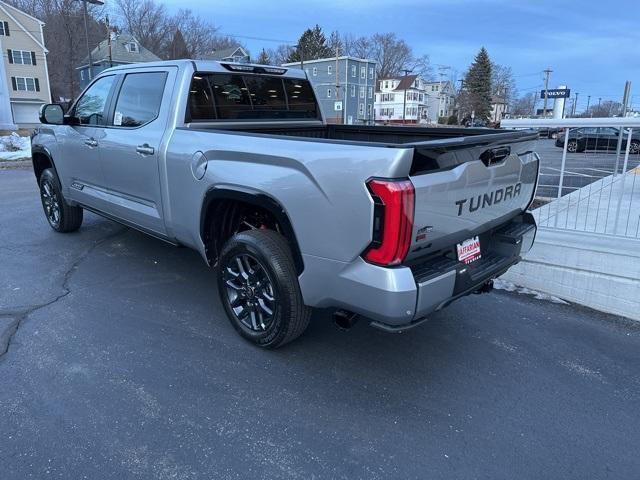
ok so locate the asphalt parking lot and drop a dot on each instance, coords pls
(581, 168)
(117, 362)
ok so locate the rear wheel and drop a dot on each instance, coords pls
(259, 288)
(62, 217)
(634, 147)
(572, 146)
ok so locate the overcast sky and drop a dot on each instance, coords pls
(592, 46)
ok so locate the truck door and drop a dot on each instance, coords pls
(131, 145)
(80, 170)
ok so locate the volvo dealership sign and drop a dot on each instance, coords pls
(556, 93)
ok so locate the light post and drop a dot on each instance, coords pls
(86, 31)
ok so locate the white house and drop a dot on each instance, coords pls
(401, 100)
(441, 99)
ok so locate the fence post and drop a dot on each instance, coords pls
(624, 176)
(561, 180)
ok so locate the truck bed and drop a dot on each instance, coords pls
(390, 136)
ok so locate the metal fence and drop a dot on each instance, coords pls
(589, 174)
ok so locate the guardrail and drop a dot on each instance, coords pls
(588, 174)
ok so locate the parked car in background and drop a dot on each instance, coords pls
(549, 132)
(598, 138)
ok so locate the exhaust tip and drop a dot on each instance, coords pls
(345, 319)
(486, 287)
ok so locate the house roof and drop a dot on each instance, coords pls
(329, 59)
(119, 52)
(495, 99)
(225, 53)
(405, 83)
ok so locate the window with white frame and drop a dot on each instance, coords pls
(315, 71)
(329, 69)
(353, 70)
(133, 47)
(21, 57)
(369, 110)
(361, 109)
(353, 90)
(386, 112)
(25, 84)
(362, 91)
(371, 72)
(328, 93)
(363, 72)
(82, 75)
(387, 97)
(370, 92)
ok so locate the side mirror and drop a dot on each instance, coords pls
(51, 114)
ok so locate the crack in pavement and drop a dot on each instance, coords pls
(19, 316)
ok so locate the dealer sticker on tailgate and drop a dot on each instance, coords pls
(469, 250)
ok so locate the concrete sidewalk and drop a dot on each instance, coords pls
(587, 249)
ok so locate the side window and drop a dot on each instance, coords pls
(139, 99)
(90, 109)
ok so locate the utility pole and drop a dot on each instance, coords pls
(547, 72)
(404, 107)
(575, 105)
(340, 114)
(109, 42)
(588, 102)
(625, 97)
(86, 31)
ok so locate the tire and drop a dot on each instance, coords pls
(572, 146)
(634, 147)
(256, 274)
(62, 217)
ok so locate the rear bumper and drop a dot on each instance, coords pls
(396, 299)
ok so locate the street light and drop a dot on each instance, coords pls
(86, 30)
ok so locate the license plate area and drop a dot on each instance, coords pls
(469, 250)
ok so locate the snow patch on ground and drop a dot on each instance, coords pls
(511, 287)
(14, 147)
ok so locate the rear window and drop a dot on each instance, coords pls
(228, 96)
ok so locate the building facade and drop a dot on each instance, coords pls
(401, 100)
(344, 87)
(441, 100)
(119, 49)
(24, 85)
(232, 54)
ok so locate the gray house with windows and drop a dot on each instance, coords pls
(120, 49)
(345, 87)
(232, 54)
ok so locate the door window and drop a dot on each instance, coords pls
(90, 109)
(139, 99)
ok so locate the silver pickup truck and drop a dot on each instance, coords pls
(236, 162)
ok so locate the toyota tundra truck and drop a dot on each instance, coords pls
(235, 161)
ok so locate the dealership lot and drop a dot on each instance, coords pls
(581, 169)
(120, 363)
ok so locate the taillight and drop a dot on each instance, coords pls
(393, 221)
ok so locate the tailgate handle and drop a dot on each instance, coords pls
(495, 155)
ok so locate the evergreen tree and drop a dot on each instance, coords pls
(311, 46)
(477, 85)
(177, 49)
(263, 58)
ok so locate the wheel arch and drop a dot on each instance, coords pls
(257, 199)
(41, 159)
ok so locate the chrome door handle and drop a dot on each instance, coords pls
(145, 149)
(91, 143)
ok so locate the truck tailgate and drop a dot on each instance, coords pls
(466, 187)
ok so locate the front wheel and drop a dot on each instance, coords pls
(572, 146)
(259, 288)
(62, 217)
(634, 147)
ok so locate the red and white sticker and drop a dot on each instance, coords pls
(469, 250)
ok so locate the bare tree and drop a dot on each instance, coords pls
(503, 84)
(392, 54)
(280, 54)
(524, 106)
(147, 21)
